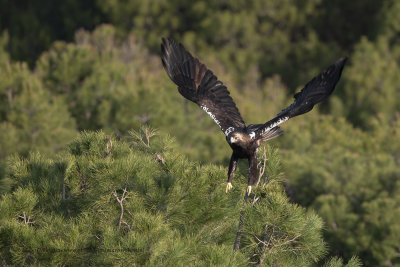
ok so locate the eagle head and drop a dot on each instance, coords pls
(238, 137)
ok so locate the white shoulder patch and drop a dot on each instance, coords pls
(229, 130)
(252, 135)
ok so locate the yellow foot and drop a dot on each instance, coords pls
(248, 190)
(228, 187)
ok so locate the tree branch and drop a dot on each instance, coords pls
(236, 244)
(262, 167)
(109, 146)
(263, 244)
(27, 220)
(121, 205)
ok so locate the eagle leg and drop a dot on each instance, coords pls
(252, 173)
(231, 172)
(248, 190)
(228, 187)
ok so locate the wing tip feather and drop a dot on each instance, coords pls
(341, 62)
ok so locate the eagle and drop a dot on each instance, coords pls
(198, 84)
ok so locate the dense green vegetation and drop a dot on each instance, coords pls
(340, 162)
(107, 202)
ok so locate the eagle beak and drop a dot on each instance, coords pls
(232, 140)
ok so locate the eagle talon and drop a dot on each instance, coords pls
(228, 187)
(248, 190)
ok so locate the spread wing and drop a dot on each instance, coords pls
(315, 91)
(198, 84)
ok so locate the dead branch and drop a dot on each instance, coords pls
(121, 205)
(262, 167)
(264, 244)
(147, 137)
(27, 219)
(109, 146)
(255, 199)
(159, 158)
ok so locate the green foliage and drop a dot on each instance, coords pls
(352, 181)
(281, 234)
(260, 34)
(103, 81)
(372, 83)
(337, 262)
(30, 118)
(390, 21)
(345, 166)
(3, 43)
(343, 22)
(33, 27)
(106, 202)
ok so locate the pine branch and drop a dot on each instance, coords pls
(147, 137)
(109, 147)
(264, 244)
(121, 205)
(261, 165)
(159, 158)
(274, 243)
(143, 135)
(236, 244)
(255, 199)
(27, 219)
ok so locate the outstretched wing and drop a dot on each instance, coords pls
(315, 91)
(198, 84)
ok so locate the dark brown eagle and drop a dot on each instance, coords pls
(199, 84)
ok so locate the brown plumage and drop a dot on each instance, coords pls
(198, 84)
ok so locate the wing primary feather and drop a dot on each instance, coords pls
(199, 84)
(314, 92)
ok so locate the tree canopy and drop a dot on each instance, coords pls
(64, 72)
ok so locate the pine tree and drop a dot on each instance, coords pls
(3, 43)
(104, 201)
(30, 119)
(351, 179)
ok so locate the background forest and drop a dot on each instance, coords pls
(332, 189)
